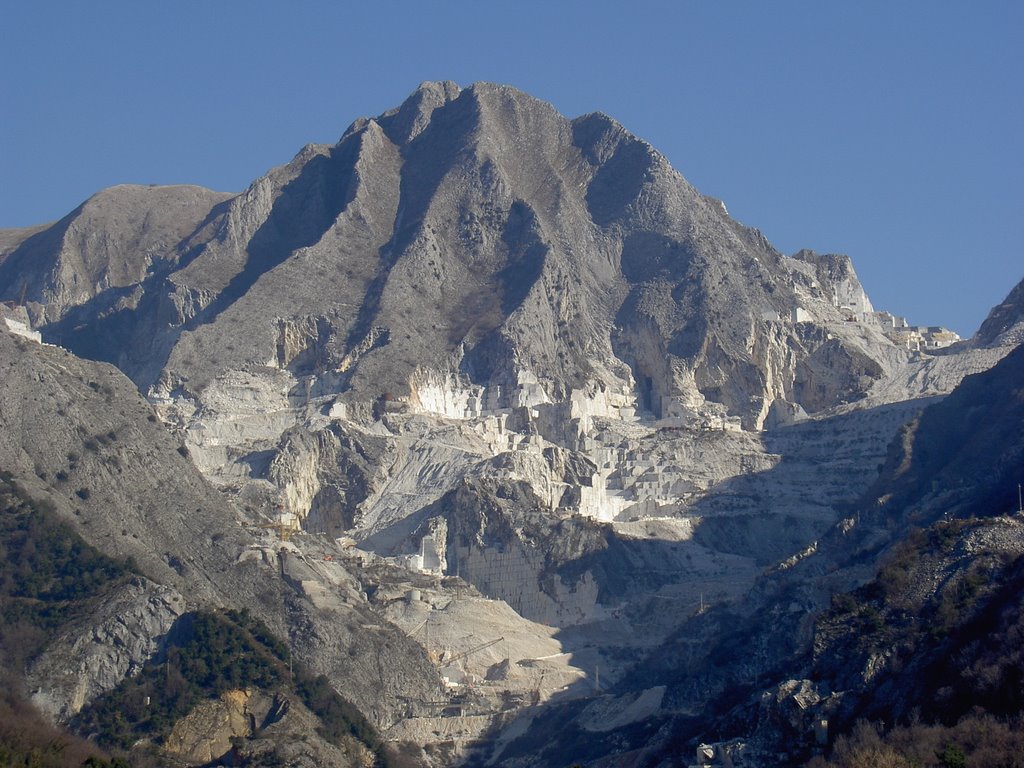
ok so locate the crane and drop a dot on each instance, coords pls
(471, 651)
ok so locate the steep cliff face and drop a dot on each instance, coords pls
(934, 631)
(473, 233)
(1004, 325)
(472, 341)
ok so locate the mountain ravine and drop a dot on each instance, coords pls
(478, 437)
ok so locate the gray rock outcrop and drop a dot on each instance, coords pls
(76, 436)
(472, 346)
(93, 655)
(1005, 323)
(472, 233)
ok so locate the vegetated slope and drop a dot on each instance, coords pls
(78, 441)
(936, 637)
(932, 633)
(930, 651)
(229, 661)
(78, 434)
(48, 577)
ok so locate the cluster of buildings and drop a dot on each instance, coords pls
(916, 338)
(849, 298)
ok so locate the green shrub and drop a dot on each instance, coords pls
(215, 652)
(48, 574)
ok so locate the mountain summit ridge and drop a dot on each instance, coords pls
(481, 234)
(474, 356)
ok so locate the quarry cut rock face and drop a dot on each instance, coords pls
(507, 364)
(76, 438)
(467, 276)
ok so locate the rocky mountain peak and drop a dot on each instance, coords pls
(1005, 323)
(108, 243)
(480, 355)
(404, 124)
(478, 235)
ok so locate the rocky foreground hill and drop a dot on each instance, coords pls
(494, 421)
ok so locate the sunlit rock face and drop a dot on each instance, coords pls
(475, 339)
(470, 285)
(497, 255)
(1004, 325)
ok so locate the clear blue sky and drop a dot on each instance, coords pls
(888, 131)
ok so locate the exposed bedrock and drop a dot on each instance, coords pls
(481, 348)
(493, 238)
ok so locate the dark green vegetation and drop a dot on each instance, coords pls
(48, 576)
(28, 740)
(212, 653)
(976, 740)
(208, 654)
(949, 655)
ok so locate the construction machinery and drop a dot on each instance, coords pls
(475, 649)
(285, 528)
